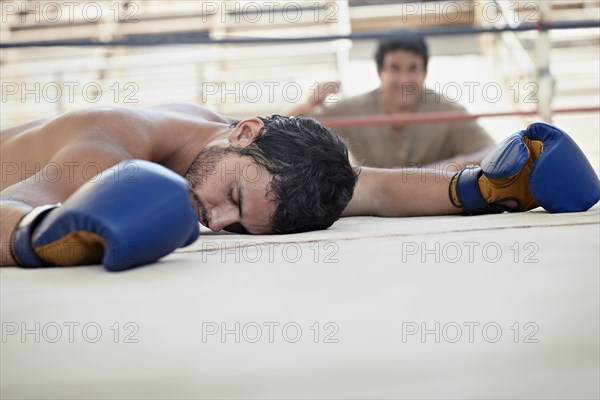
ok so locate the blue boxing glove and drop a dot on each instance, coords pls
(131, 214)
(540, 166)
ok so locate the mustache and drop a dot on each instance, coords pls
(203, 214)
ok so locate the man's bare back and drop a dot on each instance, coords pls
(170, 134)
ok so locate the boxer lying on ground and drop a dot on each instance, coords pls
(118, 176)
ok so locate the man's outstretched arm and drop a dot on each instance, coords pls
(401, 193)
(539, 166)
(459, 162)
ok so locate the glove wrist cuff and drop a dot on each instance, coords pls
(21, 247)
(452, 191)
(468, 193)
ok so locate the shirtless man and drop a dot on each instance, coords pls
(257, 175)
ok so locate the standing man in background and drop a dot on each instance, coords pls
(402, 68)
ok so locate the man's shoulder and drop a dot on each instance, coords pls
(193, 110)
(140, 115)
(176, 106)
(107, 116)
(114, 126)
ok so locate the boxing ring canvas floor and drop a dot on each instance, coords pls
(495, 306)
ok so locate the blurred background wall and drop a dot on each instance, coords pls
(485, 73)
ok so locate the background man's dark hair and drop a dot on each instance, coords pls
(415, 45)
(313, 180)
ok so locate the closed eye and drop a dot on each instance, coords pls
(239, 202)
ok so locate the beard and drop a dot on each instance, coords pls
(206, 163)
(204, 166)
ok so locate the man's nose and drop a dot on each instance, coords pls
(405, 78)
(220, 217)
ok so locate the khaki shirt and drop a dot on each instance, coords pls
(385, 146)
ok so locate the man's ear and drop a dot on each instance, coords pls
(246, 132)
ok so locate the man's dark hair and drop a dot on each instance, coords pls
(313, 180)
(415, 45)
